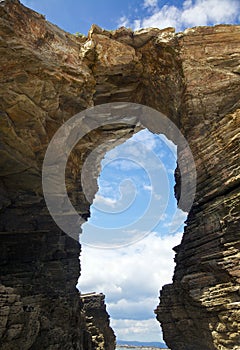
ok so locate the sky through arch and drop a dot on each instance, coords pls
(131, 276)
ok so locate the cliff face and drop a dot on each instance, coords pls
(40, 88)
(47, 76)
(200, 310)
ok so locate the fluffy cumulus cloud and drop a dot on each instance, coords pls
(105, 200)
(140, 330)
(130, 278)
(203, 12)
(190, 13)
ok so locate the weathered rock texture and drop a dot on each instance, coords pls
(97, 320)
(47, 76)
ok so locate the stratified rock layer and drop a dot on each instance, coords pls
(200, 310)
(47, 76)
(97, 320)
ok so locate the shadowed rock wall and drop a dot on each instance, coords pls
(47, 76)
(97, 320)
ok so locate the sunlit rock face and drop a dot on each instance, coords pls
(47, 76)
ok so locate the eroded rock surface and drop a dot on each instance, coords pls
(102, 336)
(47, 76)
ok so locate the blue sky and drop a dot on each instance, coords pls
(135, 194)
(134, 217)
(77, 16)
(135, 202)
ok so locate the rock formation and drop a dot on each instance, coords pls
(47, 76)
(97, 320)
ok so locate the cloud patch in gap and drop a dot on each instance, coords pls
(104, 201)
(136, 310)
(130, 275)
(141, 330)
(131, 278)
(191, 13)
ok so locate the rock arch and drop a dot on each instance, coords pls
(48, 76)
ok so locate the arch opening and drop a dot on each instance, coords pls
(127, 242)
(91, 133)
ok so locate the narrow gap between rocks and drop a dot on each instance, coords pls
(134, 224)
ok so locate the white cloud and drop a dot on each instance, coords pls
(130, 277)
(123, 22)
(167, 16)
(125, 164)
(137, 330)
(147, 138)
(142, 151)
(187, 4)
(150, 3)
(119, 200)
(151, 259)
(106, 189)
(147, 187)
(203, 12)
(138, 146)
(191, 13)
(100, 200)
(136, 310)
(137, 24)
